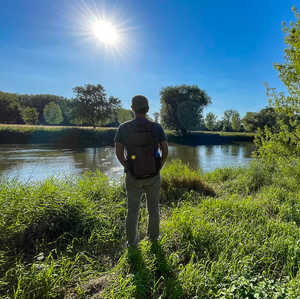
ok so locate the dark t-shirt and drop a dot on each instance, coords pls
(124, 131)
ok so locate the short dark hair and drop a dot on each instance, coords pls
(141, 110)
(139, 104)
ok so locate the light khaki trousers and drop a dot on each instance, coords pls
(135, 188)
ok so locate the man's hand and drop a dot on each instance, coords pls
(120, 153)
(164, 152)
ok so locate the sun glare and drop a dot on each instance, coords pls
(105, 32)
(104, 29)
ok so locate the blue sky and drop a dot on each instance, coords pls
(225, 47)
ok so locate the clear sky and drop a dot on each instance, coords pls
(227, 48)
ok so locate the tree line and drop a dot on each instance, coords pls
(251, 122)
(90, 106)
(181, 110)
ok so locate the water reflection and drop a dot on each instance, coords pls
(187, 154)
(36, 162)
(235, 150)
(209, 151)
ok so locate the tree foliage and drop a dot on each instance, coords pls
(267, 117)
(30, 116)
(39, 101)
(210, 121)
(92, 105)
(125, 115)
(52, 114)
(9, 108)
(285, 143)
(236, 122)
(182, 106)
(156, 116)
(228, 117)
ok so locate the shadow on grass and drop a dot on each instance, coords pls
(153, 277)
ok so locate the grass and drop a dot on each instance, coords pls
(231, 233)
(58, 135)
(88, 136)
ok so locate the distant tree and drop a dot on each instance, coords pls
(30, 116)
(39, 101)
(236, 122)
(92, 104)
(9, 108)
(156, 116)
(251, 121)
(53, 114)
(267, 117)
(125, 115)
(210, 121)
(68, 111)
(182, 106)
(219, 125)
(227, 119)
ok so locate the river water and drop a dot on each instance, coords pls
(37, 162)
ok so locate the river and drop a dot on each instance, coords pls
(37, 162)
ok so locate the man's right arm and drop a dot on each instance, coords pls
(120, 148)
(120, 153)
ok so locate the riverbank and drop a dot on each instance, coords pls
(87, 136)
(232, 233)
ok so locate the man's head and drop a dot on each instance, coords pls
(139, 104)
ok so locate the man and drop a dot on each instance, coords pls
(137, 148)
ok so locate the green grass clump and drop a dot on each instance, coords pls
(59, 220)
(65, 238)
(178, 178)
(244, 181)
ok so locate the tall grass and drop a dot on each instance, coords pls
(232, 233)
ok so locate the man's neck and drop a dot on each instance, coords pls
(138, 115)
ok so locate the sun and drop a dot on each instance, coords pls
(105, 32)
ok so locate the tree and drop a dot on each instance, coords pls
(52, 114)
(156, 116)
(284, 145)
(68, 111)
(92, 104)
(250, 121)
(125, 115)
(236, 122)
(182, 106)
(39, 101)
(267, 117)
(30, 116)
(9, 108)
(210, 121)
(227, 119)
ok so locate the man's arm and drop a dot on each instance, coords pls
(120, 153)
(164, 152)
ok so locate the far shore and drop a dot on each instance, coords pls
(104, 136)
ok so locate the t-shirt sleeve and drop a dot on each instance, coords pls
(160, 133)
(119, 137)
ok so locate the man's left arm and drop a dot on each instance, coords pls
(164, 152)
(163, 144)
